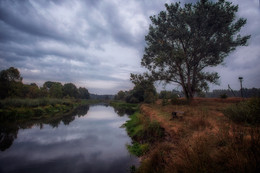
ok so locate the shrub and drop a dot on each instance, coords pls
(177, 101)
(138, 149)
(247, 111)
(223, 96)
(38, 111)
(164, 102)
(141, 129)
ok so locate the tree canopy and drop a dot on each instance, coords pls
(11, 85)
(10, 82)
(143, 91)
(184, 40)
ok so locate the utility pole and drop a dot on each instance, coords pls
(241, 80)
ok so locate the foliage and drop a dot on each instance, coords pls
(143, 91)
(247, 111)
(17, 102)
(166, 95)
(138, 149)
(56, 90)
(121, 95)
(11, 86)
(69, 89)
(24, 109)
(10, 82)
(83, 93)
(223, 96)
(183, 41)
(122, 108)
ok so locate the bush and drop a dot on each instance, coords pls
(247, 111)
(138, 149)
(38, 111)
(177, 101)
(223, 96)
(164, 102)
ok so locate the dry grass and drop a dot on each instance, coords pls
(203, 141)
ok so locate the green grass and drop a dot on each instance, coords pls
(138, 149)
(143, 132)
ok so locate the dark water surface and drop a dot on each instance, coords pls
(92, 142)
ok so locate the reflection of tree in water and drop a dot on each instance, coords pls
(54, 123)
(9, 130)
(122, 111)
(68, 119)
(82, 110)
(8, 133)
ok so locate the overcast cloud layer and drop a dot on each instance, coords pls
(98, 43)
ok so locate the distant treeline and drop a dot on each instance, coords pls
(101, 97)
(11, 85)
(137, 95)
(253, 92)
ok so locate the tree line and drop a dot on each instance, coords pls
(11, 85)
(247, 92)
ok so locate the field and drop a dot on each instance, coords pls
(201, 138)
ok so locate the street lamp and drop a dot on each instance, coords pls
(241, 80)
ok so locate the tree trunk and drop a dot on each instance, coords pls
(188, 94)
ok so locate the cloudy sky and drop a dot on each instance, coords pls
(97, 43)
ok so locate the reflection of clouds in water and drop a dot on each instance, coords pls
(86, 143)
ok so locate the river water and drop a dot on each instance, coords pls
(88, 141)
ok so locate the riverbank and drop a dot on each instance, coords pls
(41, 108)
(199, 139)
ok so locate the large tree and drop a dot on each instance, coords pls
(10, 83)
(184, 40)
(69, 89)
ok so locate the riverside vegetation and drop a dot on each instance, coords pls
(210, 136)
(15, 109)
(24, 102)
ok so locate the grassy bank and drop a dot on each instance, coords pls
(201, 139)
(143, 132)
(123, 105)
(17, 109)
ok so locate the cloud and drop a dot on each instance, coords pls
(97, 44)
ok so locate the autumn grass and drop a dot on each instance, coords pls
(205, 140)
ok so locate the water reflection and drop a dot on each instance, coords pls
(9, 130)
(90, 143)
(123, 111)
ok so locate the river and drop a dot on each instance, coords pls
(88, 141)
